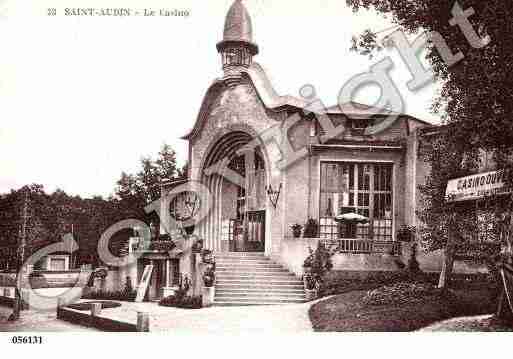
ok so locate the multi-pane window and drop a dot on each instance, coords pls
(363, 188)
(236, 56)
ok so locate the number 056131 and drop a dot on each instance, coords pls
(20, 339)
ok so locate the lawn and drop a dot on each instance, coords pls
(347, 312)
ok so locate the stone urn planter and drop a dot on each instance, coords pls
(296, 230)
(310, 294)
(197, 247)
(189, 230)
(207, 296)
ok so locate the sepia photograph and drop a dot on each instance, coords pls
(255, 167)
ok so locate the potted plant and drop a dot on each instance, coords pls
(406, 234)
(197, 247)
(207, 256)
(311, 228)
(209, 277)
(308, 263)
(208, 290)
(296, 230)
(310, 287)
(189, 229)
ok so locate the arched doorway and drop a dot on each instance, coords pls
(246, 226)
(236, 175)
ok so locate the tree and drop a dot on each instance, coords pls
(476, 96)
(137, 190)
(26, 207)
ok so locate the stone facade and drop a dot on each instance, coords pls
(242, 110)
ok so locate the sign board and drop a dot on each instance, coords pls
(143, 285)
(476, 186)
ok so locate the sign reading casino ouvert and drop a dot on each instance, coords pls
(477, 186)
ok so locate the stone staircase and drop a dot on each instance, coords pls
(253, 279)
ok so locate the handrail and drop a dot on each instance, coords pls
(364, 246)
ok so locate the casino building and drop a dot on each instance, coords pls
(375, 175)
(269, 161)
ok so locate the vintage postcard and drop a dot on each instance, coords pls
(255, 166)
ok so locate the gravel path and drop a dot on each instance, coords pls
(32, 321)
(483, 323)
(279, 318)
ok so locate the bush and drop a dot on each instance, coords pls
(38, 281)
(401, 293)
(336, 284)
(406, 234)
(309, 282)
(121, 295)
(311, 228)
(181, 300)
(87, 306)
(209, 277)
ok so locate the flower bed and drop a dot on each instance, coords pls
(179, 301)
(401, 293)
(88, 305)
(122, 295)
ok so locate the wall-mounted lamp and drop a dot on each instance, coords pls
(273, 194)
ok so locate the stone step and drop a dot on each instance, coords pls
(240, 255)
(253, 279)
(227, 303)
(257, 290)
(258, 281)
(253, 299)
(234, 302)
(278, 295)
(255, 276)
(246, 263)
(246, 286)
(230, 266)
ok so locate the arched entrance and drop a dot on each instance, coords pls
(236, 175)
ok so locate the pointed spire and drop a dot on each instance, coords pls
(238, 28)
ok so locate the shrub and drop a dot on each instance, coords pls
(406, 233)
(311, 228)
(87, 306)
(296, 230)
(320, 263)
(309, 281)
(413, 263)
(121, 295)
(207, 256)
(401, 293)
(181, 300)
(209, 277)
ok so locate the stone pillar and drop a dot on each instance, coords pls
(143, 322)
(186, 261)
(168, 273)
(96, 309)
(25, 299)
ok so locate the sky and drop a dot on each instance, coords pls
(84, 98)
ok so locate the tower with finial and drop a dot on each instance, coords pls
(237, 48)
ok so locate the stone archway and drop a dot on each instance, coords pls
(236, 173)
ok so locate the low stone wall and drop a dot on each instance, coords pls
(99, 322)
(294, 251)
(433, 261)
(52, 279)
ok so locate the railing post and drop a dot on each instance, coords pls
(143, 322)
(60, 304)
(96, 309)
(25, 300)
